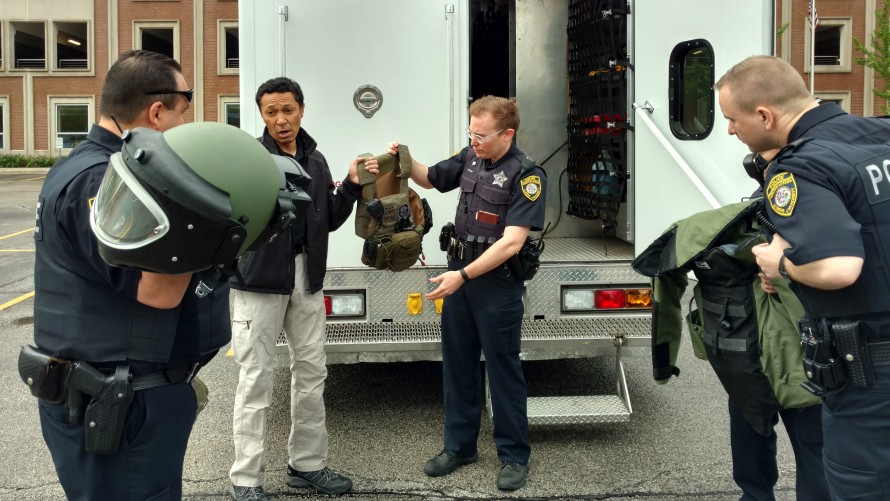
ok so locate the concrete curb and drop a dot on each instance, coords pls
(23, 170)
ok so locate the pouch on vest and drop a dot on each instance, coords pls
(390, 216)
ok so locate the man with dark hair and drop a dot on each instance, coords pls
(826, 192)
(282, 289)
(502, 197)
(124, 325)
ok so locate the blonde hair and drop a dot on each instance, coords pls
(765, 80)
(504, 111)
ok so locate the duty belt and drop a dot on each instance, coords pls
(182, 373)
(468, 249)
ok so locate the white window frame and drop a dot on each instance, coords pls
(88, 40)
(221, 26)
(52, 102)
(3, 43)
(846, 48)
(11, 48)
(138, 26)
(842, 96)
(4, 119)
(222, 100)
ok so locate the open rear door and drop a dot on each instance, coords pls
(372, 73)
(680, 47)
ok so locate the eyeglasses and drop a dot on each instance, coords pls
(481, 138)
(188, 93)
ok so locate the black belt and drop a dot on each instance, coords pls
(182, 373)
(879, 352)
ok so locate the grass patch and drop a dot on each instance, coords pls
(26, 161)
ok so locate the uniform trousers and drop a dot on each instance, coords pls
(856, 429)
(754, 466)
(148, 462)
(485, 316)
(257, 320)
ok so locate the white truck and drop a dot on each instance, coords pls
(616, 103)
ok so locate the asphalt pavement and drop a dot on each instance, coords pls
(385, 420)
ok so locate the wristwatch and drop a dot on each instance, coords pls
(782, 270)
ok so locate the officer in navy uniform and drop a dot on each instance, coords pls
(107, 317)
(827, 193)
(502, 197)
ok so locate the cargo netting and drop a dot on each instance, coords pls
(597, 121)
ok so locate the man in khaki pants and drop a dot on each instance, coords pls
(282, 288)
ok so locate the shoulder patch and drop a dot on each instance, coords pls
(531, 187)
(782, 193)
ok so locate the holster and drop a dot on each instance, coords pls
(525, 263)
(824, 369)
(105, 415)
(45, 375)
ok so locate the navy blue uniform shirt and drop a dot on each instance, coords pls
(526, 208)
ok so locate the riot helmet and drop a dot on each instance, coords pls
(193, 197)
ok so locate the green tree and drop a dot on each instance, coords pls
(878, 57)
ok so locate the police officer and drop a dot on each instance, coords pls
(501, 199)
(125, 324)
(833, 238)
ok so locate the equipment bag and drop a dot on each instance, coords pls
(390, 217)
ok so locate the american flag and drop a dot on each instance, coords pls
(811, 12)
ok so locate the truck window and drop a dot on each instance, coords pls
(691, 90)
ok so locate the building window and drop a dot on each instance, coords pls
(1, 45)
(227, 59)
(4, 123)
(70, 120)
(841, 98)
(157, 36)
(834, 45)
(691, 90)
(71, 46)
(28, 45)
(230, 110)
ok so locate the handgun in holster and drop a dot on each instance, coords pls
(824, 370)
(106, 413)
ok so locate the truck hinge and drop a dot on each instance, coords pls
(449, 8)
(282, 11)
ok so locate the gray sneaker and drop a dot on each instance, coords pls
(512, 476)
(326, 480)
(240, 493)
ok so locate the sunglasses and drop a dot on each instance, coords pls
(188, 93)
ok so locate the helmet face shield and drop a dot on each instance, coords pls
(193, 197)
(124, 215)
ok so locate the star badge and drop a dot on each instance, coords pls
(499, 179)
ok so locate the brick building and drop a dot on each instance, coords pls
(837, 77)
(54, 55)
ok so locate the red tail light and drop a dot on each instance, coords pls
(608, 299)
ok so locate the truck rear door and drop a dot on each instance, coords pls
(372, 73)
(679, 49)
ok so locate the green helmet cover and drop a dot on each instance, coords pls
(233, 161)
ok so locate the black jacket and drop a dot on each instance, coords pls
(270, 269)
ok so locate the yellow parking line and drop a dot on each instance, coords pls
(19, 233)
(230, 353)
(16, 250)
(16, 300)
(21, 180)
